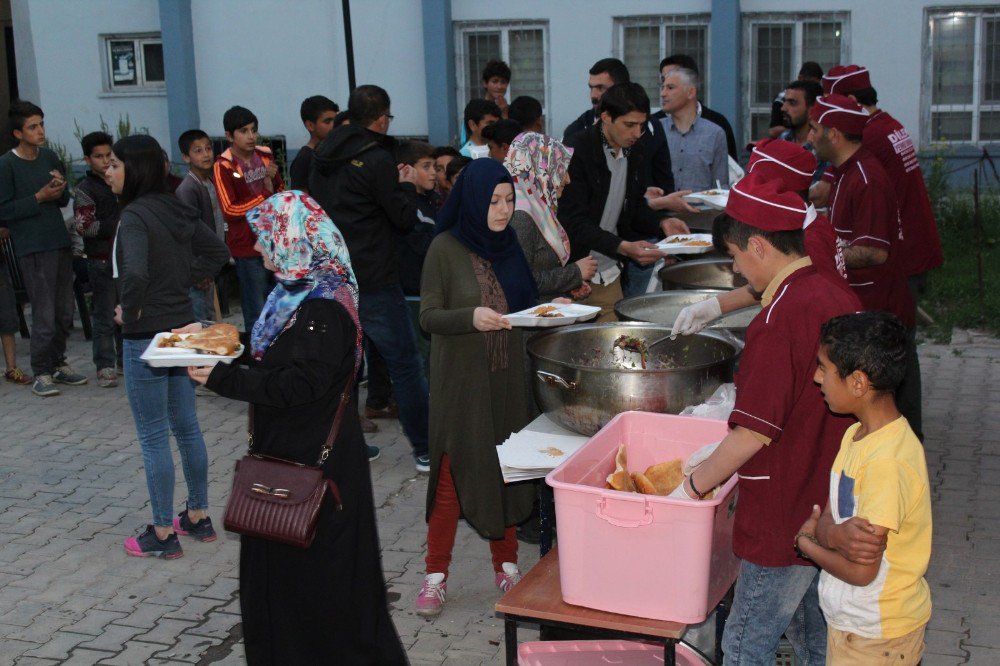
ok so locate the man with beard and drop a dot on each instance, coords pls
(800, 95)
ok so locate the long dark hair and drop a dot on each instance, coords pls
(142, 158)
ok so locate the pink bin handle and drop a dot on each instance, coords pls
(625, 521)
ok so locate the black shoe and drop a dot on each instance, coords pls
(148, 545)
(202, 530)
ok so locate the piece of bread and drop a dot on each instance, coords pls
(220, 339)
(643, 484)
(665, 476)
(620, 479)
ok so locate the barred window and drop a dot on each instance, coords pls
(641, 42)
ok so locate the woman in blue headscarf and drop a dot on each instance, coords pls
(474, 274)
(324, 604)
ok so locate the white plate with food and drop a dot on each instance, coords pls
(686, 244)
(552, 314)
(218, 343)
(716, 198)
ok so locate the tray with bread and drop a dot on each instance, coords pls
(686, 244)
(218, 343)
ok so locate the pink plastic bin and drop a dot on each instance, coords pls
(601, 653)
(643, 555)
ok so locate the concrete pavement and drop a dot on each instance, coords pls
(72, 488)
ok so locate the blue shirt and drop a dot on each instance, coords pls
(698, 157)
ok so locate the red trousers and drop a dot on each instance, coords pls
(443, 525)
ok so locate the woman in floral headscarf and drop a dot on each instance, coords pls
(324, 604)
(539, 166)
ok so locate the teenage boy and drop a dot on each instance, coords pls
(32, 190)
(528, 112)
(355, 178)
(876, 609)
(245, 175)
(318, 114)
(496, 80)
(603, 207)
(197, 190)
(442, 156)
(863, 211)
(783, 439)
(478, 114)
(499, 136)
(417, 178)
(95, 215)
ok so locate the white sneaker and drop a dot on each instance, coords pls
(430, 599)
(509, 577)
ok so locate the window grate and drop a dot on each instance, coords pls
(641, 42)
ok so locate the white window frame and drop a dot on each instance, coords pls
(796, 19)
(664, 21)
(976, 106)
(464, 28)
(141, 85)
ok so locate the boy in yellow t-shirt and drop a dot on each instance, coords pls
(877, 608)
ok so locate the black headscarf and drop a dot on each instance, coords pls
(464, 215)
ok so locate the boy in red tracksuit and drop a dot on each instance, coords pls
(245, 175)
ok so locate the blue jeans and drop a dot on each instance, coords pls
(769, 602)
(162, 400)
(201, 304)
(107, 341)
(256, 283)
(638, 276)
(385, 319)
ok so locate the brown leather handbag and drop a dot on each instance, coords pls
(278, 499)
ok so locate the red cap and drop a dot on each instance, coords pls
(783, 160)
(845, 79)
(766, 205)
(840, 112)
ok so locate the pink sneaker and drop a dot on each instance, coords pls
(509, 577)
(430, 600)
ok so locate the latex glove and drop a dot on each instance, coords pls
(697, 316)
(681, 493)
(698, 457)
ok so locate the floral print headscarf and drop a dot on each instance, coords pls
(539, 164)
(311, 259)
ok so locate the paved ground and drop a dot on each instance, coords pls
(72, 488)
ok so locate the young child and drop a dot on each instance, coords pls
(499, 136)
(417, 177)
(478, 114)
(95, 215)
(318, 114)
(877, 609)
(245, 175)
(442, 155)
(527, 111)
(197, 190)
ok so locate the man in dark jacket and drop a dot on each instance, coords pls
(603, 207)
(355, 179)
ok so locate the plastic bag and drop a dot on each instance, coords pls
(718, 406)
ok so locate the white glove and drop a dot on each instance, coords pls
(680, 493)
(698, 457)
(697, 316)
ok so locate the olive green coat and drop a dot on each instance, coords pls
(472, 409)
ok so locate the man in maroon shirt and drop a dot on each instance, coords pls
(864, 213)
(889, 141)
(783, 438)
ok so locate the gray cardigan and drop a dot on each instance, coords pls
(553, 279)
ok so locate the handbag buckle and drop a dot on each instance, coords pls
(323, 455)
(260, 488)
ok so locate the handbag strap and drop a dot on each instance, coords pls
(324, 453)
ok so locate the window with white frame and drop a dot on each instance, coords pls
(521, 44)
(641, 42)
(962, 100)
(133, 62)
(775, 46)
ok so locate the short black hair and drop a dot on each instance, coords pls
(236, 117)
(811, 69)
(185, 140)
(456, 165)
(502, 131)
(865, 96)
(478, 109)
(525, 110)
(613, 67)
(142, 158)
(20, 110)
(623, 98)
(876, 343)
(313, 107)
(93, 140)
(367, 104)
(681, 60)
(496, 68)
(410, 151)
(727, 229)
(441, 151)
(810, 89)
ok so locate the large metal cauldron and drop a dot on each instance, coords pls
(581, 382)
(663, 308)
(714, 273)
